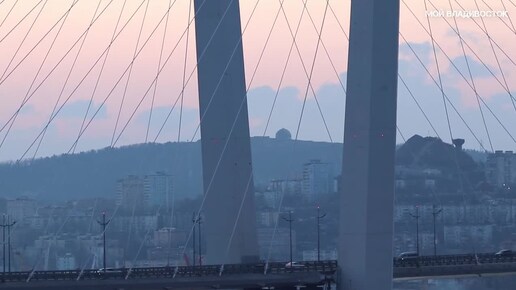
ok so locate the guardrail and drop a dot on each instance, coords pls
(403, 267)
(323, 267)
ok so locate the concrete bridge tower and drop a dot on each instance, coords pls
(226, 149)
(367, 200)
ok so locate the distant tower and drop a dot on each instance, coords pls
(283, 134)
(458, 143)
(225, 141)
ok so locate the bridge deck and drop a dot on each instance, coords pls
(258, 275)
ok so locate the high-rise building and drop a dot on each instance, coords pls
(317, 178)
(130, 193)
(158, 190)
(20, 208)
(501, 169)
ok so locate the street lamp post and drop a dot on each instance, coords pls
(435, 213)
(169, 245)
(289, 220)
(104, 224)
(416, 216)
(194, 221)
(200, 242)
(319, 217)
(9, 225)
(6, 224)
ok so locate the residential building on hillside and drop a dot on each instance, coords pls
(130, 194)
(158, 190)
(21, 208)
(501, 169)
(318, 179)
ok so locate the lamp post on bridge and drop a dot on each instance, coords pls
(199, 221)
(435, 213)
(289, 220)
(6, 224)
(416, 216)
(319, 217)
(104, 224)
(196, 220)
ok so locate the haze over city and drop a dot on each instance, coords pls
(257, 144)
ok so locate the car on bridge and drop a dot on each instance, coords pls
(294, 265)
(109, 271)
(408, 256)
(504, 253)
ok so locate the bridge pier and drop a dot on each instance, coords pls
(367, 200)
(225, 141)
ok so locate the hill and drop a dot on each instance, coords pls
(94, 173)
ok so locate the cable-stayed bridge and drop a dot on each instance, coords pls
(365, 244)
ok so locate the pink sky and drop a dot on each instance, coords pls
(26, 127)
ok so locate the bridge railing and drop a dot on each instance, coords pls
(323, 267)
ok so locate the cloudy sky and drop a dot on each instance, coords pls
(49, 57)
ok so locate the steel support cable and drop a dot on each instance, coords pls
(99, 76)
(159, 65)
(125, 71)
(439, 78)
(401, 134)
(445, 95)
(61, 227)
(472, 80)
(145, 237)
(280, 205)
(462, 75)
(510, 26)
(327, 53)
(399, 76)
(309, 75)
(208, 188)
(512, 3)
(487, 34)
(46, 77)
(201, 56)
(418, 105)
(465, 42)
(8, 13)
(453, 64)
(184, 72)
(280, 83)
(460, 173)
(45, 232)
(130, 71)
(25, 36)
(67, 78)
(224, 71)
(481, 99)
(38, 43)
(153, 83)
(496, 58)
(81, 81)
(20, 21)
(510, 18)
(90, 226)
(129, 234)
(12, 120)
(251, 174)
